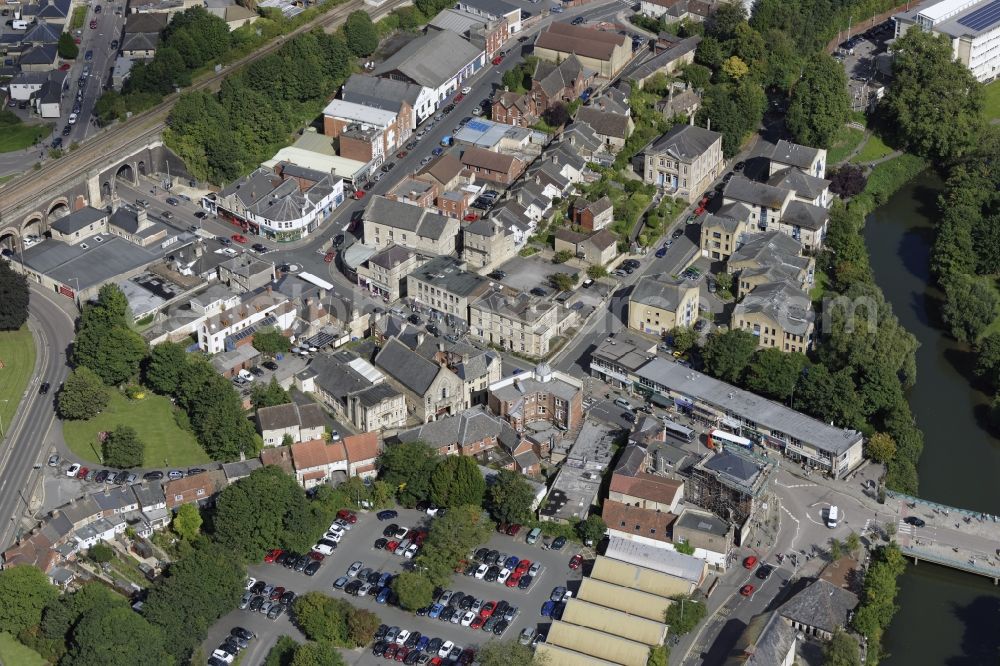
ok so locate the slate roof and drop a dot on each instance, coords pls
(804, 185)
(497, 8)
(553, 78)
(78, 220)
(727, 224)
(822, 604)
(42, 33)
(468, 427)
(146, 22)
(605, 122)
(448, 274)
(586, 42)
(766, 640)
(291, 415)
(686, 142)
(431, 59)
(770, 247)
(390, 257)
(487, 159)
(407, 217)
(149, 494)
(408, 368)
(661, 61)
(140, 41)
(786, 152)
(660, 291)
(376, 394)
(749, 191)
(703, 521)
(602, 240)
(781, 302)
(114, 499)
(42, 54)
(805, 215)
(378, 92)
(631, 461)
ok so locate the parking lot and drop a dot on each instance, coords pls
(357, 545)
(526, 273)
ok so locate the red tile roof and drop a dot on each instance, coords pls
(648, 523)
(646, 486)
(361, 447)
(317, 453)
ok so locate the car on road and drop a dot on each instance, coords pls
(172, 201)
(750, 562)
(89, 55)
(152, 476)
(497, 60)
(72, 118)
(437, 151)
(201, 214)
(677, 234)
(114, 44)
(747, 590)
(401, 154)
(328, 257)
(175, 474)
(239, 238)
(93, 24)
(466, 90)
(557, 594)
(764, 571)
(527, 634)
(386, 168)
(578, 20)
(913, 520)
(662, 252)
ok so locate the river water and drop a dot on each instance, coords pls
(945, 617)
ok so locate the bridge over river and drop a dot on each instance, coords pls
(952, 537)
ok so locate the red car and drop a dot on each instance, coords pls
(76, 40)
(391, 546)
(359, 194)
(703, 202)
(522, 566)
(437, 661)
(513, 579)
(575, 561)
(276, 593)
(273, 555)
(458, 98)
(478, 623)
(487, 609)
(63, 67)
(349, 516)
(746, 590)
(513, 530)
(401, 154)
(239, 238)
(699, 210)
(497, 60)
(82, 474)
(93, 24)
(401, 652)
(329, 256)
(390, 652)
(750, 562)
(471, 217)
(316, 555)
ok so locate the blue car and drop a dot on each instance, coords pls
(383, 596)
(511, 562)
(548, 608)
(435, 611)
(662, 252)
(422, 643)
(437, 151)
(388, 514)
(385, 579)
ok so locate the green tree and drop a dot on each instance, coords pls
(123, 448)
(724, 281)
(836, 548)
(115, 637)
(219, 419)
(684, 548)
(659, 656)
(556, 115)
(592, 530)
(852, 543)
(105, 341)
(510, 497)
(270, 340)
(110, 106)
(451, 537)
(67, 48)
(774, 373)
(282, 652)
(269, 395)
(935, 103)
(735, 68)
(988, 359)
(684, 614)
(195, 591)
(317, 654)
(187, 522)
(82, 396)
(101, 552)
(726, 21)
(596, 272)
(362, 38)
(407, 468)
(457, 481)
(414, 588)
(265, 510)
(562, 256)
(65, 612)
(165, 366)
(361, 626)
(819, 105)
(683, 338)
(828, 396)
(506, 653)
(881, 447)
(26, 592)
(698, 76)
(841, 650)
(727, 354)
(970, 304)
(13, 298)
(563, 281)
(322, 618)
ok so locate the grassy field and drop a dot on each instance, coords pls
(16, 135)
(166, 444)
(12, 652)
(991, 101)
(79, 16)
(844, 143)
(17, 353)
(873, 149)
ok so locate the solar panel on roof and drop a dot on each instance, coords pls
(983, 17)
(480, 126)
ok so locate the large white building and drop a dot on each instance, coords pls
(973, 26)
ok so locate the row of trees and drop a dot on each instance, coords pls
(878, 599)
(13, 298)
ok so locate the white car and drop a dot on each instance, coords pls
(72, 118)
(343, 524)
(224, 656)
(355, 568)
(466, 90)
(411, 551)
(478, 111)
(401, 532)
(567, 595)
(73, 469)
(333, 536)
(445, 649)
(468, 618)
(402, 636)
(324, 546)
(336, 527)
(481, 571)
(504, 575)
(477, 606)
(251, 581)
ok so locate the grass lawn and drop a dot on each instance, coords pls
(844, 143)
(17, 354)
(991, 100)
(873, 149)
(79, 16)
(16, 135)
(12, 652)
(166, 444)
(819, 286)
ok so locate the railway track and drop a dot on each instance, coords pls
(47, 181)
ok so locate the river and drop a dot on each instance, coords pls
(945, 617)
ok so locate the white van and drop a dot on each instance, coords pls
(832, 516)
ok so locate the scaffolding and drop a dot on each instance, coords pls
(732, 483)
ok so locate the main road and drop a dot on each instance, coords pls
(25, 446)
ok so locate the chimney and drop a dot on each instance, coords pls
(420, 338)
(141, 219)
(708, 126)
(555, 156)
(691, 120)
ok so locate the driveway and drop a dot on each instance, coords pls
(357, 546)
(525, 273)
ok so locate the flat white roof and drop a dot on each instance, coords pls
(942, 10)
(359, 113)
(367, 370)
(339, 166)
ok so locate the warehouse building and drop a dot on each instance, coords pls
(639, 578)
(612, 621)
(628, 600)
(599, 644)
